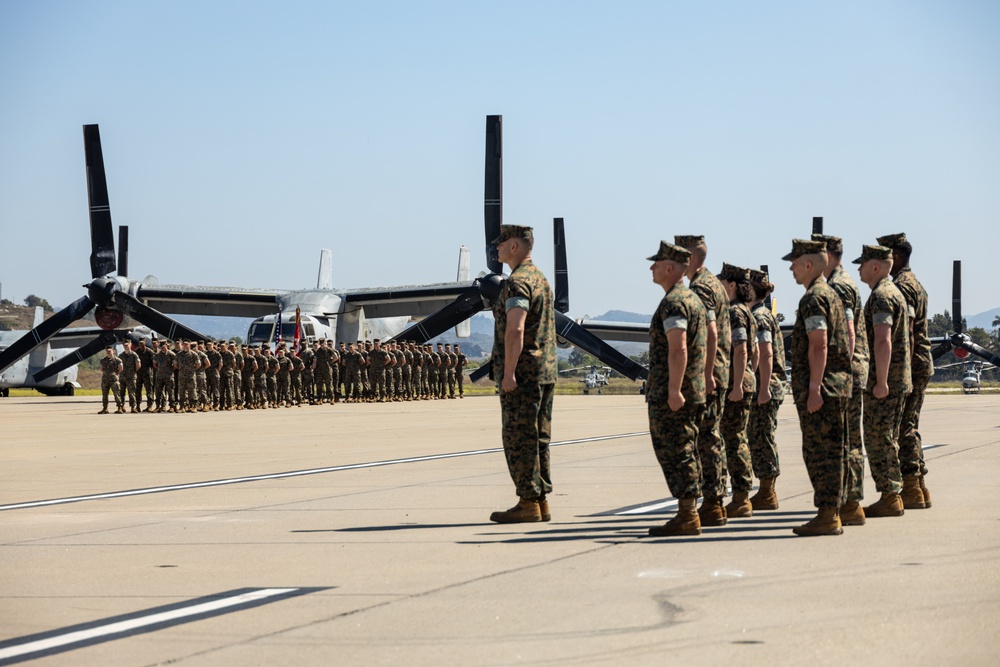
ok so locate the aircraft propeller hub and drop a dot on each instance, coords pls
(490, 286)
(102, 290)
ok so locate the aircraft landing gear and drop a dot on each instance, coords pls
(5, 392)
(67, 390)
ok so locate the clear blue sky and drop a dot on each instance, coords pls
(241, 137)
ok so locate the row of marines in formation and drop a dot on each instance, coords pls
(859, 373)
(208, 375)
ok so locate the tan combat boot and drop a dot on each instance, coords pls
(685, 522)
(525, 511)
(739, 506)
(712, 512)
(766, 498)
(925, 492)
(890, 504)
(543, 509)
(851, 514)
(826, 522)
(911, 495)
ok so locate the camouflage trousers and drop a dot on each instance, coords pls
(460, 379)
(854, 479)
(407, 385)
(282, 387)
(824, 449)
(213, 388)
(144, 382)
(260, 389)
(111, 384)
(911, 445)
(881, 420)
(735, 417)
(296, 390)
(201, 385)
(675, 443)
(128, 386)
(397, 382)
(711, 453)
(187, 394)
(335, 382)
(526, 417)
(760, 436)
(378, 378)
(226, 390)
(164, 386)
(451, 382)
(323, 377)
(271, 382)
(352, 385)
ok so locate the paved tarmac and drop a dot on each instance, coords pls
(376, 549)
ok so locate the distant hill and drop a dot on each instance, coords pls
(984, 320)
(624, 316)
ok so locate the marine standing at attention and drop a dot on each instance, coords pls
(710, 450)
(131, 363)
(911, 450)
(888, 329)
(524, 361)
(144, 378)
(851, 513)
(821, 385)
(742, 387)
(770, 395)
(675, 391)
(111, 366)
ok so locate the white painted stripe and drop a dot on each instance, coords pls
(652, 507)
(294, 473)
(139, 622)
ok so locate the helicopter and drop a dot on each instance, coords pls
(972, 374)
(596, 377)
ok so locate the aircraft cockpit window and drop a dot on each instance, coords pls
(260, 332)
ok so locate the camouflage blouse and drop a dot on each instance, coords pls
(713, 296)
(850, 297)
(769, 331)
(743, 328)
(820, 309)
(922, 363)
(886, 305)
(681, 309)
(527, 288)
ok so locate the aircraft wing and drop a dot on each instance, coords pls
(412, 300)
(220, 301)
(632, 332)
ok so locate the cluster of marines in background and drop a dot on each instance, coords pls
(859, 373)
(202, 376)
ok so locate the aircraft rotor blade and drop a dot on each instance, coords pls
(817, 224)
(561, 297)
(942, 349)
(123, 250)
(76, 356)
(588, 342)
(493, 191)
(980, 351)
(102, 237)
(45, 331)
(462, 308)
(154, 319)
(481, 372)
(956, 295)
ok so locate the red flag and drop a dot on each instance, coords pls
(298, 330)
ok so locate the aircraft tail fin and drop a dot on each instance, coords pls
(464, 328)
(39, 316)
(324, 280)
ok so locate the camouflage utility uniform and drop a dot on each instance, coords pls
(764, 418)
(526, 412)
(736, 414)
(886, 306)
(131, 362)
(911, 449)
(111, 367)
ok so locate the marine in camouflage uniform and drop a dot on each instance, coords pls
(911, 450)
(407, 350)
(888, 329)
(742, 387)
(188, 364)
(527, 380)
(820, 324)
(212, 375)
(111, 368)
(144, 378)
(227, 376)
(850, 297)
(711, 452)
(352, 381)
(399, 390)
(271, 377)
(165, 363)
(131, 363)
(452, 363)
(461, 361)
(380, 360)
(675, 390)
(261, 356)
(201, 377)
(249, 378)
(308, 356)
(770, 395)
(432, 373)
(283, 378)
(321, 373)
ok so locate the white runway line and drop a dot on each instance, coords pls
(27, 648)
(294, 473)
